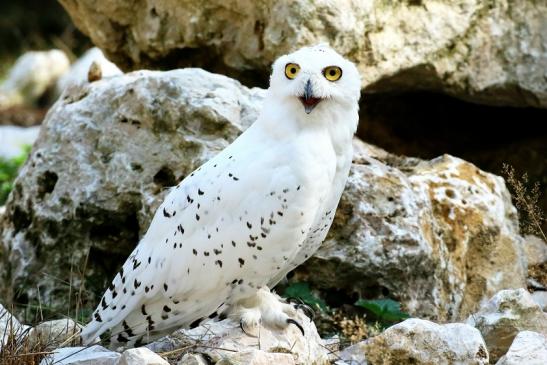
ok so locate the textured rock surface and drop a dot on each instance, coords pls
(224, 343)
(438, 235)
(55, 333)
(141, 355)
(192, 359)
(505, 315)
(94, 355)
(33, 74)
(79, 70)
(420, 342)
(105, 155)
(528, 348)
(536, 250)
(492, 52)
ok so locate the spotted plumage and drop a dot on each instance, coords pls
(235, 226)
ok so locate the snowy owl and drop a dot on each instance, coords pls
(237, 225)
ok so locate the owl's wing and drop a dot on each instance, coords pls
(221, 223)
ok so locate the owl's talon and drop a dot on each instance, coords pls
(292, 321)
(244, 331)
(308, 311)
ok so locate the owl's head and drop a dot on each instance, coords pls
(315, 78)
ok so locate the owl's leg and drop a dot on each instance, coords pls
(263, 308)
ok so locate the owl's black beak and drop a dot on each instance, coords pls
(307, 99)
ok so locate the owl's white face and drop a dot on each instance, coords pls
(315, 78)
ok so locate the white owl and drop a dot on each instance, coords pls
(239, 223)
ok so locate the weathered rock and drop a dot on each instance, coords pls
(505, 315)
(79, 70)
(536, 250)
(105, 156)
(141, 355)
(528, 348)
(412, 45)
(421, 342)
(14, 139)
(57, 333)
(9, 325)
(33, 74)
(225, 343)
(192, 359)
(438, 235)
(540, 297)
(94, 355)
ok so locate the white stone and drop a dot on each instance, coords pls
(192, 359)
(13, 139)
(31, 76)
(420, 342)
(79, 69)
(505, 315)
(536, 250)
(60, 332)
(141, 355)
(94, 355)
(528, 348)
(9, 325)
(540, 297)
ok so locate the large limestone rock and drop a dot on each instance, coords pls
(528, 348)
(490, 52)
(105, 157)
(505, 315)
(420, 342)
(225, 343)
(32, 75)
(438, 235)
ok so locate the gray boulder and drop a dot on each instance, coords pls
(488, 52)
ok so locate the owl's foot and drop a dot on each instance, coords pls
(267, 309)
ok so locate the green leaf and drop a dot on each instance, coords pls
(9, 168)
(385, 310)
(303, 292)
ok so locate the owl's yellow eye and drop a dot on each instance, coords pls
(332, 73)
(291, 70)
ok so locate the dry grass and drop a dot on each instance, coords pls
(18, 348)
(526, 200)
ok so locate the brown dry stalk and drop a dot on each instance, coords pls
(526, 201)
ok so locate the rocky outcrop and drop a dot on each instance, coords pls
(32, 75)
(504, 316)
(141, 355)
(225, 343)
(438, 235)
(493, 53)
(528, 348)
(420, 342)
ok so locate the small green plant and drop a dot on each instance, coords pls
(385, 311)
(303, 292)
(9, 167)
